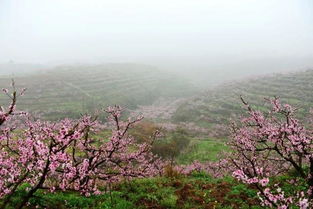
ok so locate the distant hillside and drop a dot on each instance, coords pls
(218, 105)
(13, 69)
(70, 90)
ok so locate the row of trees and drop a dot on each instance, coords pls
(67, 156)
(264, 146)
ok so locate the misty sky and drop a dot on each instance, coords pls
(47, 31)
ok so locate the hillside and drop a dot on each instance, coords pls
(12, 68)
(69, 91)
(218, 105)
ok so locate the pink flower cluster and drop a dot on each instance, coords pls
(67, 155)
(269, 144)
(215, 169)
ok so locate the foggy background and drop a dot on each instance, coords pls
(172, 60)
(226, 37)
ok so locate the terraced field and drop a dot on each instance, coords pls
(69, 91)
(218, 105)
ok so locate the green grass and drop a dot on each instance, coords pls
(202, 150)
(198, 191)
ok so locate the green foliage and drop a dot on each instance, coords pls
(172, 145)
(196, 191)
(202, 150)
(143, 131)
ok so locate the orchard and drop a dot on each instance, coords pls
(68, 156)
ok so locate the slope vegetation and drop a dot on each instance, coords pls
(217, 106)
(70, 90)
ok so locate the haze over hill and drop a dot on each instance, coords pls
(183, 65)
(218, 105)
(212, 41)
(212, 73)
(12, 69)
(69, 91)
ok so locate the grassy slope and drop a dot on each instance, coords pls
(202, 150)
(198, 191)
(221, 103)
(78, 89)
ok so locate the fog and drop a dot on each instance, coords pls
(203, 35)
